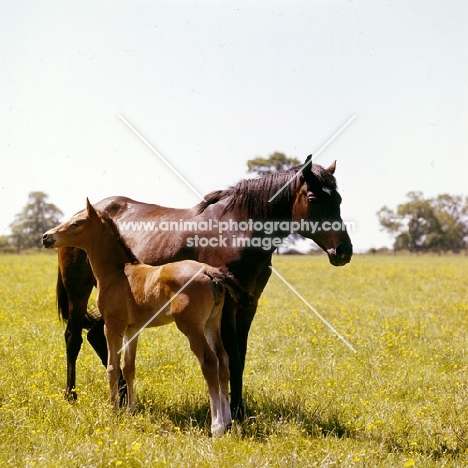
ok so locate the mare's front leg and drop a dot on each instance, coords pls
(236, 366)
(240, 321)
(246, 314)
(114, 344)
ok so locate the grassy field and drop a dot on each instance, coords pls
(400, 401)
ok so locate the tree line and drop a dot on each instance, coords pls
(37, 217)
(437, 224)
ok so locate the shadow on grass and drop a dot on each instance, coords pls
(263, 418)
(185, 412)
(285, 416)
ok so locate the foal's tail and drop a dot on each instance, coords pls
(226, 279)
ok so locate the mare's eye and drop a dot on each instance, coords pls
(311, 197)
(75, 225)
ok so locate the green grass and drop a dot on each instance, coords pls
(400, 401)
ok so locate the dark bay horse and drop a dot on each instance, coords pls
(133, 296)
(253, 216)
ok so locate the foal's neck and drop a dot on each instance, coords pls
(107, 256)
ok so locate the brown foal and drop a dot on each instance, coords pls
(133, 296)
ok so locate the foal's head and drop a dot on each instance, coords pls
(80, 231)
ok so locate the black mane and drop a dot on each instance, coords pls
(115, 232)
(325, 178)
(253, 195)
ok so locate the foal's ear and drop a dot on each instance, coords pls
(90, 209)
(331, 168)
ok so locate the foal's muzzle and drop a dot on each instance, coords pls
(48, 240)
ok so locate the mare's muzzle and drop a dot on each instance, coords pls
(341, 255)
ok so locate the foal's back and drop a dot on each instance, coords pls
(174, 291)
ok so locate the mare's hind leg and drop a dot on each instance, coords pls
(97, 340)
(73, 341)
(74, 285)
(73, 338)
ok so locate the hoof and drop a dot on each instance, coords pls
(218, 430)
(71, 396)
(123, 395)
(238, 412)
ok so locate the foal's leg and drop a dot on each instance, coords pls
(128, 369)
(98, 341)
(114, 343)
(209, 366)
(213, 334)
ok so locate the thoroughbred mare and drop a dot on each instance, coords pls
(133, 296)
(310, 199)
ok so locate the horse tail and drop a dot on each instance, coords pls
(228, 281)
(61, 296)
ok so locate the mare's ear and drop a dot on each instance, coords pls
(306, 168)
(90, 209)
(331, 168)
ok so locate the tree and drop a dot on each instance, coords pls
(5, 242)
(453, 220)
(37, 217)
(389, 222)
(423, 225)
(275, 162)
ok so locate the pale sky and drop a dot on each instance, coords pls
(211, 84)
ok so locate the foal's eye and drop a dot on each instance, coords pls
(75, 225)
(311, 197)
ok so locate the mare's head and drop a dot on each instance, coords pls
(317, 208)
(79, 231)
